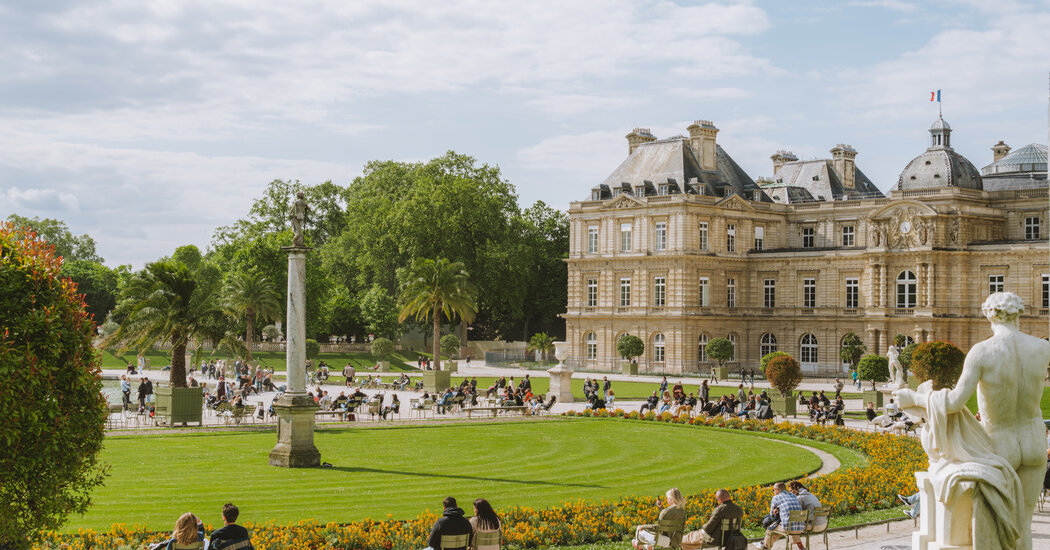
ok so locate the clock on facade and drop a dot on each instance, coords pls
(905, 227)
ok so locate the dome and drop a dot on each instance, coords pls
(1030, 158)
(939, 167)
(940, 124)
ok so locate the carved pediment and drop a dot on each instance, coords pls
(736, 202)
(623, 201)
(905, 224)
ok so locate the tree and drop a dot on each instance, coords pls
(630, 346)
(51, 404)
(875, 368)
(852, 350)
(769, 357)
(720, 349)
(542, 343)
(899, 340)
(271, 332)
(98, 284)
(783, 373)
(382, 348)
(906, 355)
(941, 362)
(436, 287)
(379, 312)
(67, 245)
(449, 345)
(166, 302)
(253, 297)
(313, 349)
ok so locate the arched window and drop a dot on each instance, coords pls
(768, 344)
(907, 285)
(658, 348)
(808, 350)
(703, 348)
(592, 345)
(908, 340)
(732, 340)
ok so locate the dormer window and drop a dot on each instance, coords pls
(927, 163)
(936, 175)
(596, 195)
(816, 178)
(665, 189)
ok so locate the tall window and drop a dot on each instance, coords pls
(1031, 228)
(808, 234)
(730, 292)
(659, 291)
(768, 344)
(730, 238)
(658, 348)
(760, 237)
(808, 350)
(704, 292)
(809, 293)
(1046, 290)
(625, 292)
(592, 292)
(625, 237)
(732, 340)
(995, 284)
(848, 235)
(906, 289)
(660, 243)
(592, 239)
(703, 235)
(592, 345)
(769, 293)
(852, 293)
(702, 355)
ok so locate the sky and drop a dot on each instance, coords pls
(148, 123)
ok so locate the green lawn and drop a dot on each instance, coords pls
(402, 470)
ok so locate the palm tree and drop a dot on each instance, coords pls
(542, 343)
(166, 301)
(254, 297)
(436, 287)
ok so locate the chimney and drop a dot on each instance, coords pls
(779, 159)
(702, 139)
(637, 137)
(1000, 150)
(842, 156)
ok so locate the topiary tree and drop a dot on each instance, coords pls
(906, 355)
(313, 349)
(769, 357)
(449, 345)
(382, 348)
(852, 350)
(875, 368)
(783, 373)
(51, 404)
(939, 361)
(271, 332)
(630, 346)
(720, 349)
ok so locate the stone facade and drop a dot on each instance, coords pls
(681, 268)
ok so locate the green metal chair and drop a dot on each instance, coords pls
(488, 539)
(728, 526)
(454, 542)
(818, 512)
(669, 528)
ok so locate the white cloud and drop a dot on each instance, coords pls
(562, 105)
(711, 93)
(38, 200)
(895, 5)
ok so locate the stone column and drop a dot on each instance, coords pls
(561, 377)
(295, 409)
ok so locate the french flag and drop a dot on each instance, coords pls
(935, 96)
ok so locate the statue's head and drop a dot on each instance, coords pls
(1003, 307)
(301, 195)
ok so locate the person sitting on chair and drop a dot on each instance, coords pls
(451, 522)
(711, 532)
(650, 403)
(188, 533)
(645, 536)
(230, 535)
(485, 520)
(808, 502)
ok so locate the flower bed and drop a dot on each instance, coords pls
(892, 463)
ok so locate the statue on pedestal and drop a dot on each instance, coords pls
(298, 218)
(1002, 457)
(896, 369)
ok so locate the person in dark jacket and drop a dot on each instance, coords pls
(451, 522)
(230, 536)
(711, 532)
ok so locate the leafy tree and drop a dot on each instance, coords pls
(542, 343)
(382, 348)
(906, 355)
(313, 349)
(166, 302)
(449, 345)
(630, 346)
(436, 287)
(67, 245)
(875, 368)
(769, 357)
(269, 214)
(720, 349)
(941, 362)
(51, 404)
(343, 313)
(899, 340)
(253, 297)
(783, 373)
(379, 311)
(852, 350)
(271, 332)
(98, 284)
(190, 255)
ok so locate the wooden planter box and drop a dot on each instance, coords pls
(436, 380)
(785, 405)
(873, 397)
(384, 366)
(723, 373)
(450, 366)
(179, 406)
(629, 369)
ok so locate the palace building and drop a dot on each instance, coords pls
(679, 246)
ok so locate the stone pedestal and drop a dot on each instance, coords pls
(943, 526)
(561, 377)
(436, 380)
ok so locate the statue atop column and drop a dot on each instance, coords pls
(298, 217)
(1002, 457)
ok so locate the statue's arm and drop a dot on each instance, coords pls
(967, 384)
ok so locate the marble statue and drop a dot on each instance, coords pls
(1001, 459)
(896, 369)
(298, 217)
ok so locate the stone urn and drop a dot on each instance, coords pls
(560, 376)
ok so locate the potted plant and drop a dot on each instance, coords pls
(720, 349)
(784, 374)
(450, 347)
(873, 368)
(940, 362)
(383, 348)
(629, 347)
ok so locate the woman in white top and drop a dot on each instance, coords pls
(485, 522)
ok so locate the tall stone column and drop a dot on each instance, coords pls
(295, 409)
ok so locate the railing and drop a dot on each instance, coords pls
(623, 310)
(849, 311)
(504, 356)
(590, 310)
(1030, 193)
(904, 311)
(1044, 312)
(807, 311)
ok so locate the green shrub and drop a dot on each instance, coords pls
(313, 349)
(449, 345)
(630, 346)
(769, 357)
(874, 368)
(382, 348)
(783, 373)
(720, 349)
(852, 349)
(906, 355)
(51, 403)
(941, 362)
